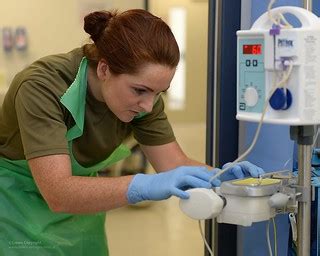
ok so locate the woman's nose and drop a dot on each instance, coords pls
(146, 104)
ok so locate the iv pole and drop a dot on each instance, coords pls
(304, 136)
(307, 4)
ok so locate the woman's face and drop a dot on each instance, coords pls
(128, 95)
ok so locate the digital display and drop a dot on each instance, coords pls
(251, 49)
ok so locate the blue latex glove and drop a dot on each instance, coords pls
(166, 184)
(241, 170)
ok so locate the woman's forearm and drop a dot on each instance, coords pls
(67, 193)
(78, 194)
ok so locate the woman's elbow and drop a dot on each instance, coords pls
(56, 205)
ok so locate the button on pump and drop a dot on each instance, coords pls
(251, 96)
(281, 99)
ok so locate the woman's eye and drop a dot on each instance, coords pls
(139, 91)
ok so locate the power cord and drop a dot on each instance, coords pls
(204, 239)
(274, 236)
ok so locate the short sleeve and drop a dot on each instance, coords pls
(41, 120)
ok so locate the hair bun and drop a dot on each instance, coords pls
(96, 22)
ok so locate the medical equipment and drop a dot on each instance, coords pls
(244, 201)
(278, 82)
(266, 52)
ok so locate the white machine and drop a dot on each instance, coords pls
(265, 53)
(243, 202)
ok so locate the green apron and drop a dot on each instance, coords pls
(27, 225)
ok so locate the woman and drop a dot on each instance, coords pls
(64, 118)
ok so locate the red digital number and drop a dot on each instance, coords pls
(252, 49)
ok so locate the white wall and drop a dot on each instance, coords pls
(53, 26)
(195, 56)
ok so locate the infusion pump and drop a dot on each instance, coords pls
(265, 54)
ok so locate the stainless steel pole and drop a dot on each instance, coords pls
(304, 136)
(307, 4)
(304, 181)
(216, 95)
(213, 105)
(304, 206)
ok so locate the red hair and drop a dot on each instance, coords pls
(129, 40)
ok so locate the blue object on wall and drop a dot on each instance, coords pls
(316, 7)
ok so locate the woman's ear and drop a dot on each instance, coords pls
(102, 69)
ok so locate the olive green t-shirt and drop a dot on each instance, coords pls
(33, 122)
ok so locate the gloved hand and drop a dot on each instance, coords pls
(163, 185)
(241, 170)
